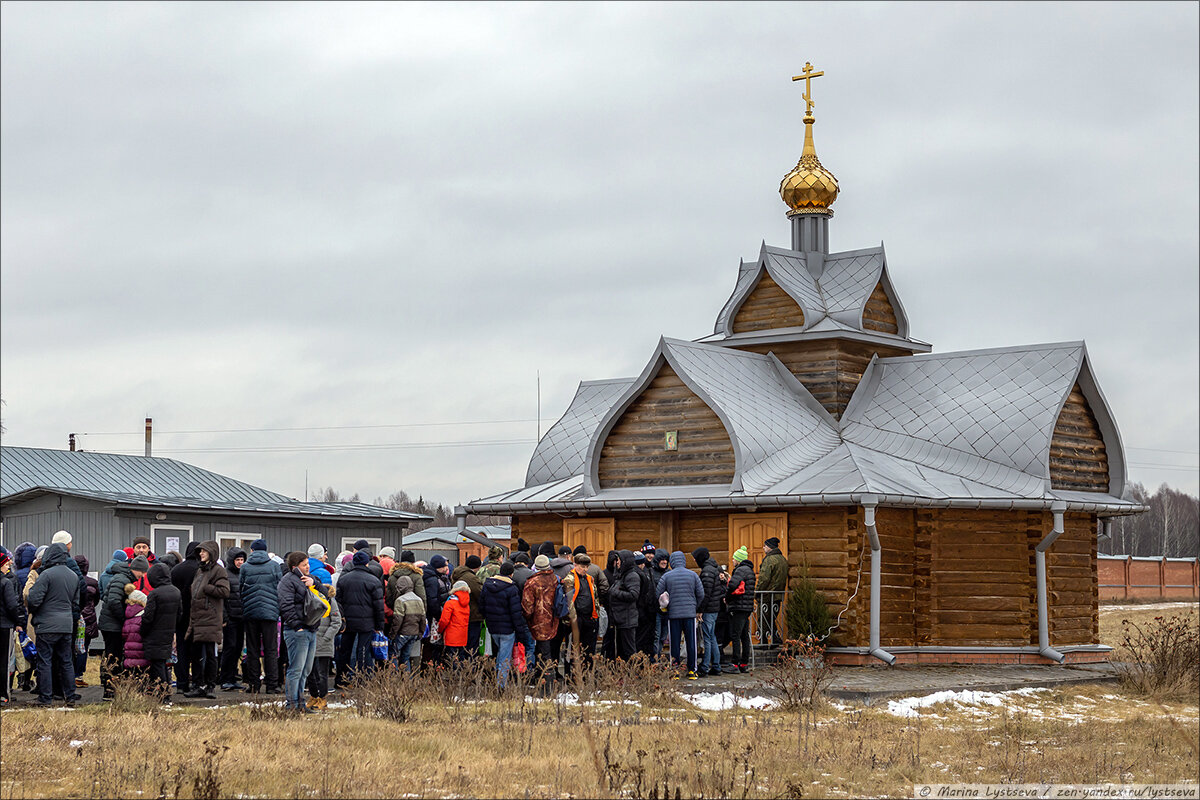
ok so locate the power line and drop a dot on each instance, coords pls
(318, 428)
(1156, 450)
(1180, 467)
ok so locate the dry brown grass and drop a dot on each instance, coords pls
(1111, 617)
(557, 749)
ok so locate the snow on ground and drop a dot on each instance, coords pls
(1183, 605)
(719, 701)
(80, 742)
(907, 706)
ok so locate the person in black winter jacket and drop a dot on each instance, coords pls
(182, 576)
(624, 605)
(234, 633)
(740, 599)
(360, 595)
(164, 607)
(111, 618)
(12, 613)
(301, 638)
(713, 581)
(505, 620)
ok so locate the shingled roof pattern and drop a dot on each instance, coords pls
(774, 423)
(969, 425)
(999, 405)
(838, 293)
(562, 451)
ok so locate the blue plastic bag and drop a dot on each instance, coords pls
(379, 644)
(28, 648)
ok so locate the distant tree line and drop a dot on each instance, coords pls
(443, 515)
(1170, 527)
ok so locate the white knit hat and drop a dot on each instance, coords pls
(62, 537)
(316, 551)
(388, 552)
(137, 596)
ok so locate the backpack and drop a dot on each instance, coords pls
(562, 603)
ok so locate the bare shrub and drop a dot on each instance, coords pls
(800, 675)
(135, 693)
(1166, 657)
(206, 785)
(387, 692)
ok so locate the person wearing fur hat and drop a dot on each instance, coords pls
(454, 623)
(164, 607)
(468, 573)
(740, 599)
(361, 596)
(209, 590)
(408, 621)
(135, 654)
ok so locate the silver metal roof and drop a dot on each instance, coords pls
(140, 482)
(832, 290)
(561, 452)
(954, 429)
(450, 535)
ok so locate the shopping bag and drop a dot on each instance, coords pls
(518, 656)
(379, 645)
(80, 636)
(603, 624)
(485, 648)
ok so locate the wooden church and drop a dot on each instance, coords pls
(946, 504)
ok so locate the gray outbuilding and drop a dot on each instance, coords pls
(105, 500)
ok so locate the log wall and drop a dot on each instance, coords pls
(829, 368)
(949, 577)
(767, 307)
(979, 578)
(1078, 460)
(633, 454)
(879, 315)
(1072, 582)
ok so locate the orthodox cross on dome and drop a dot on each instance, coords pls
(807, 77)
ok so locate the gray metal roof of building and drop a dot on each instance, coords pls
(561, 452)
(832, 289)
(450, 535)
(137, 481)
(969, 428)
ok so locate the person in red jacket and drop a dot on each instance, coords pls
(456, 616)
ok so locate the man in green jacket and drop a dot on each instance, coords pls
(772, 579)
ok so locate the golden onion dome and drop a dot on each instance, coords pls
(809, 188)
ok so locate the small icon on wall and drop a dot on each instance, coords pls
(671, 441)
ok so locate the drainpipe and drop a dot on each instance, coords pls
(1039, 555)
(868, 504)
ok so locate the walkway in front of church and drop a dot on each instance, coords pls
(865, 685)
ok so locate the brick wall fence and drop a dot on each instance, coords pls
(1137, 577)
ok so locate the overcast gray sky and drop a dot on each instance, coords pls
(239, 216)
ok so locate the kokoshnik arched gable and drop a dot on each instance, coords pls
(812, 413)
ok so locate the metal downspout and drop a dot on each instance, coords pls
(1057, 509)
(869, 502)
(460, 519)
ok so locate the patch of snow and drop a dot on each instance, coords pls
(907, 706)
(80, 742)
(1177, 606)
(45, 738)
(720, 701)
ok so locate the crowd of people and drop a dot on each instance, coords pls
(269, 624)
